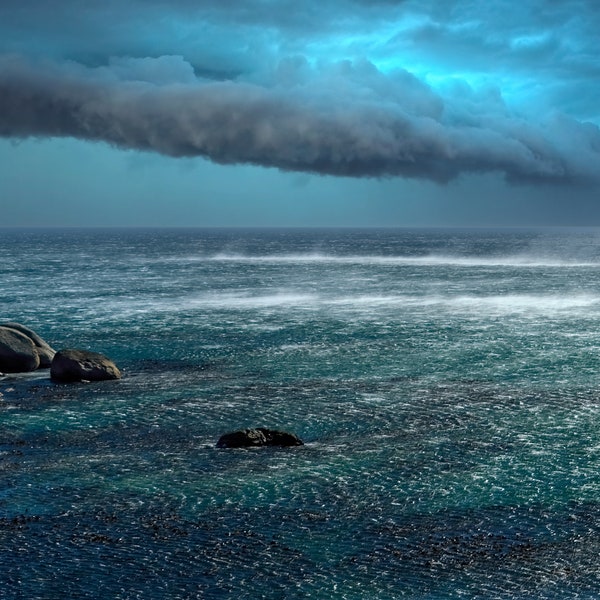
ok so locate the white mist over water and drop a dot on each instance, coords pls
(471, 306)
(525, 260)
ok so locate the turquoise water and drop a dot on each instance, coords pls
(445, 382)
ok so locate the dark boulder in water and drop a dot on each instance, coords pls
(70, 365)
(260, 436)
(43, 349)
(17, 352)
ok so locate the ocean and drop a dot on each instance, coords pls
(446, 384)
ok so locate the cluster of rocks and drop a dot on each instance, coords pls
(22, 350)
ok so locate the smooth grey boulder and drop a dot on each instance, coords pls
(72, 364)
(44, 350)
(17, 352)
(259, 436)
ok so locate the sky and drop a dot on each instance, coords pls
(318, 113)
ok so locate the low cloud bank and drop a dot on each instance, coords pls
(346, 119)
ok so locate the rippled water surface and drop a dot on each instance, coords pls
(446, 383)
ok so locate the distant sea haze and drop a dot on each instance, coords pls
(445, 383)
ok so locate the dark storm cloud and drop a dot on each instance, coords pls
(265, 83)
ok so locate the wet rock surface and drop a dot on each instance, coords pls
(260, 436)
(72, 365)
(17, 352)
(44, 350)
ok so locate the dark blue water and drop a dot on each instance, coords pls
(446, 384)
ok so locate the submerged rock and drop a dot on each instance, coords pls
(72, 365)
(17, 352)
(260, 436)
(43, 349)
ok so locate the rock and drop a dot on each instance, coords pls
(45, 352)
(244, 438)
(282, 438)
(17, 352)
(260, 436)
(82, 365)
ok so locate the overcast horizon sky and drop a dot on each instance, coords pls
(346, 113)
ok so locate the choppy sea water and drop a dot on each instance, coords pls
(446, 383)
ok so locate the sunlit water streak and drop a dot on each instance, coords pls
(445, 383)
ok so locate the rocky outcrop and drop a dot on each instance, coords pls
(17, 352)
(260, 436)
(22, 350)
(43, 349)
(71, 364)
